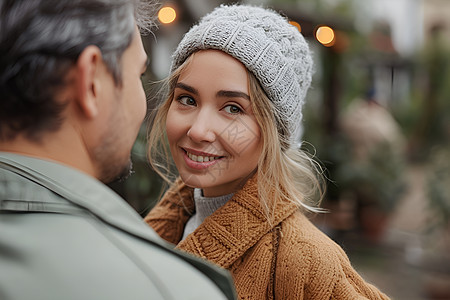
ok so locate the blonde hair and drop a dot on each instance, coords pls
(291, 174)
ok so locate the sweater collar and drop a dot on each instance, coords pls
(206, 206)
(231, 230)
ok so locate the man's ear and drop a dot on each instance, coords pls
(89, 67)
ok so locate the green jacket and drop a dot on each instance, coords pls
(64, 235)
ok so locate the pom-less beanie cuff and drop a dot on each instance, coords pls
(272, 49)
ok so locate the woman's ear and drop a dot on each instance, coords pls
(89, 68)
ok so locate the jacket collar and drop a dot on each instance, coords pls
(81, 190)
(235, 227)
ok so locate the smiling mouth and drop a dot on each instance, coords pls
(202, 158)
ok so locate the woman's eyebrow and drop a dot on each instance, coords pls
(186, 87)
(233, 94)
(221, 93)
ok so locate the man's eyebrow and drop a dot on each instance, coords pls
(233, 94)
(186, 87)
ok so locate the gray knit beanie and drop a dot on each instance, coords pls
(271, 48)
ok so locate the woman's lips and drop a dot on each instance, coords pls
(200, 160)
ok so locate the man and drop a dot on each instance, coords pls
(70, 109)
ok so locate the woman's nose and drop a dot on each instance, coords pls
(202, 128)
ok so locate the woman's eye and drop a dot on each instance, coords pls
(233, 109)
(186, 101)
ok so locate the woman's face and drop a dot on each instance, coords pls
(213, 134)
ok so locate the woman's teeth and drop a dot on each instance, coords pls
(199, 158)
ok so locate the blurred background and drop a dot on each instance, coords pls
(377, 117)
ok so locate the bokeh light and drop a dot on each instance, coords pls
(293, 23)
(167, 15)
(325, 35)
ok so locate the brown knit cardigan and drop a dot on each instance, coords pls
(290, 260)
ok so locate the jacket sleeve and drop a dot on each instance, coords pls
(350, 284)
(312, 266)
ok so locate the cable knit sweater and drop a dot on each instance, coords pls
(290, 260)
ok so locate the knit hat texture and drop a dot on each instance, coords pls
(271, 48)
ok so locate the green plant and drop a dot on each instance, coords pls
(438, 188)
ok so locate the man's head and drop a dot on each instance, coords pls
(74, 64)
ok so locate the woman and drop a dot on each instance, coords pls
(232, 121)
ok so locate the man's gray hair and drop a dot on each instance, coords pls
(40, 40)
